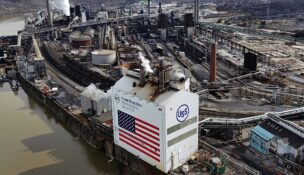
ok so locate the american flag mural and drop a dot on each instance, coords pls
(140, 135)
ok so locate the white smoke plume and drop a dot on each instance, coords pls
(63, 5)
(145, 63)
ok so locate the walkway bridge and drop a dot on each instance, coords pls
(214, 123)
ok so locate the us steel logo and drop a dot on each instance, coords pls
(182, 113)
(116, 98)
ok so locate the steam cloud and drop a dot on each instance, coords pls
(145, 63)
(63, 5)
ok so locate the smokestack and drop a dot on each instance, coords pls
(149, 6)
(196, 11)
(50, 20)
(160, 11)
(213, 63)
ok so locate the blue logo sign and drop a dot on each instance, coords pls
(116, 98)
(182, 113)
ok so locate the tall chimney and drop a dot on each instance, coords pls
(149, 6)
(160, 11)
(196, 11)
(50, 20)
(213, 63)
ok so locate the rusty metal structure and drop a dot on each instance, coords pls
(213, 68)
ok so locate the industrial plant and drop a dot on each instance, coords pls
(169, 88)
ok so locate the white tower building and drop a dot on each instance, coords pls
(155, 118)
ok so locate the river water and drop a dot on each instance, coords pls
(11, 26)
(33, 142)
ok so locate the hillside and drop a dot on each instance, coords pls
(13, 8)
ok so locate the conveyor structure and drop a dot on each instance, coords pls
(209, 123)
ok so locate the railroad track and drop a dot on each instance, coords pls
(73, 69)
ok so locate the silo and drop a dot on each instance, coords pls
(103, 57)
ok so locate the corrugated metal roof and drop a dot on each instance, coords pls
(294, 139)
(262, 133)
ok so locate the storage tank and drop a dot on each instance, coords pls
(103, 57)
(81, 41)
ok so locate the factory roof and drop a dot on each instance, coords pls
(148, 92)
(262, 133)
(276, 129)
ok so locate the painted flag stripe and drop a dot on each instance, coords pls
(148, 124)
(136, 147)
(138, 144)
(137, 130)
(148, 129)
(145, 138)
(146, 143)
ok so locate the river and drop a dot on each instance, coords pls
(33, 142)
(11, 26)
